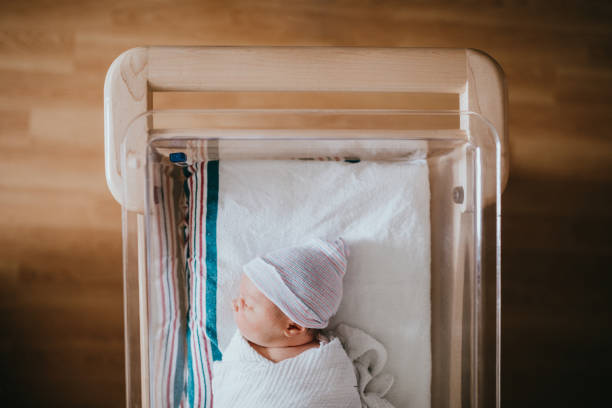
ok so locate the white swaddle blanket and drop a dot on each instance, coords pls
(319, 377)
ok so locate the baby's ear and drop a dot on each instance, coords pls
(293, 329)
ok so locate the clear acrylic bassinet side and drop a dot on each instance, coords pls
(457, 147)
(134, 294)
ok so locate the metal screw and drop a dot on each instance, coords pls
(458, 195)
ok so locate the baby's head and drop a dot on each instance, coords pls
(287, 293)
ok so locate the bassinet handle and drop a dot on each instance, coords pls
(138, 72)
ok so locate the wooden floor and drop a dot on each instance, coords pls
(61, 318)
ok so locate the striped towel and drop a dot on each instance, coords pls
(202, 193)
(166, 289)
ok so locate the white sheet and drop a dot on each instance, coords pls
(380, 208)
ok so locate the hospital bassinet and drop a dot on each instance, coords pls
(166, 109)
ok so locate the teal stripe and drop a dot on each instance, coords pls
(190, 387)
(212, 204)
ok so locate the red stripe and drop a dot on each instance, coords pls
(209, 373)
(195, 351)
(172, 236)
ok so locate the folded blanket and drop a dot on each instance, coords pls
(318, 377)
(369, 358)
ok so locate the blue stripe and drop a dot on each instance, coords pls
(212, 203)
(204, 396)
(190, 371)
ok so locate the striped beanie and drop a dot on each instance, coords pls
(304, 282)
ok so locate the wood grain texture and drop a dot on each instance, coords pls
(61, 319)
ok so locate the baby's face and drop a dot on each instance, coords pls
(259, 320)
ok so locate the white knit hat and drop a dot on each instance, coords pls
(304, 282)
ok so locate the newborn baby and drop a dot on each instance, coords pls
(278, 357)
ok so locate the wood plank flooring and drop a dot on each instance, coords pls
(61, 319)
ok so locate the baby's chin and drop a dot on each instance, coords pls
(248, 334)
(254, 334)
(252, 338)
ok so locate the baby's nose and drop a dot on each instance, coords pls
(237, 303)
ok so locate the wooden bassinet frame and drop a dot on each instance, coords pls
(475, 77)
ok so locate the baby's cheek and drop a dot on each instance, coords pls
(238, 315)
(238, 319)
(247, 327)
(243, 321)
